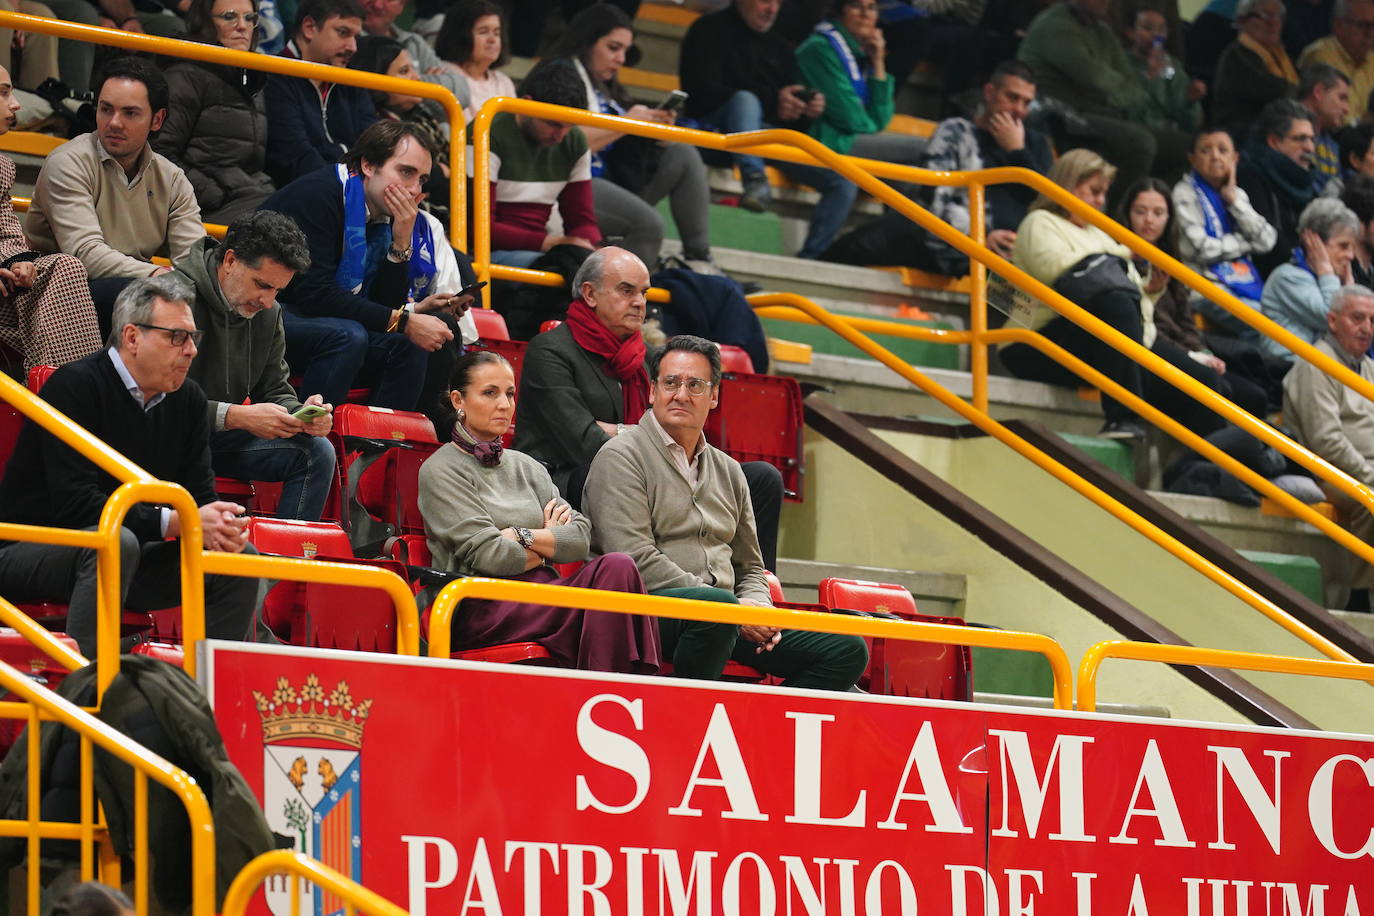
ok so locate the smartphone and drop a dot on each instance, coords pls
(308, 412)
(472, 290)
(806, 95)
(674, 102)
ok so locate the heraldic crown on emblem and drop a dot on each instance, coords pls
(290, 714)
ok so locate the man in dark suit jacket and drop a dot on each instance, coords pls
(135, 397)
(573, 400)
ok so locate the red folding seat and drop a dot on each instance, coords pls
(317, 614)
(902, 667)
(380, 452)
(549, 325)
(735, 359)
(33, 663)
(38, 377)
(759, 418)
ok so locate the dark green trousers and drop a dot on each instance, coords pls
(823, 661)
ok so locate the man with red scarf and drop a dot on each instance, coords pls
(586, 380)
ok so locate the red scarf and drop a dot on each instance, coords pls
(625, 358)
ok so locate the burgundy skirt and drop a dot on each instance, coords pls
(589, 640)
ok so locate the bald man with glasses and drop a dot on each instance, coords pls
(680, 507)
(135, 397)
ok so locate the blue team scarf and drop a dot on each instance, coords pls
(857, 78)
(1240, 276)
(360, 255)
(1300, 259)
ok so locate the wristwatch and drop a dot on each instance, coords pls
(620, 429)
(524, 538)
(399, 254)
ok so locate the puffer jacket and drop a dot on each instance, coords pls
(216, 130)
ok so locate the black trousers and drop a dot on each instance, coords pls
(149, 580)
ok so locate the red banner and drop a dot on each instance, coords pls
(456, 789)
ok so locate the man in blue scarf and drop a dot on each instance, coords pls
(378, 305)
(1276, 173)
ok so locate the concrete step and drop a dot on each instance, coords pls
(1293, 546)
(1301, 572)
(1036, 702)
(1359, 620)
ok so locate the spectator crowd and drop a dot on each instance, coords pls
(1242, 149)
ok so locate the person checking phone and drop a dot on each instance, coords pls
(241, 362)
(740, 74)
(1173, 98)
(379, 305)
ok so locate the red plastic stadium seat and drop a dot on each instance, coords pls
(774, 586)
(735, 359)
(902, 667)
(321, 615)
(760, 419)
(38, 377)
(380, 453)
(34, 663)
(549, 325)
(490, 324)
(167, 652)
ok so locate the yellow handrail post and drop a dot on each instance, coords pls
(298, 866)
(1090, 667)
(481, 193)
(446, 606)
(978, 298)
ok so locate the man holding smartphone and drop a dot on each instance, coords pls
(259, 428)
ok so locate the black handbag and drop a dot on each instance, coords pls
(632, 162)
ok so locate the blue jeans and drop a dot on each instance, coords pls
(744, 112)
(331, 353)
(303, 464)
(516, 258)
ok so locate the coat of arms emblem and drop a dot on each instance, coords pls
(312, 783)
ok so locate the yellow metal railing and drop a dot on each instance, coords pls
(445, 607)
(268, 63)
(354, 897)
(1090, 666)
(137, 486)
(37, 704)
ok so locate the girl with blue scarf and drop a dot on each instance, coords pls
(843, 59)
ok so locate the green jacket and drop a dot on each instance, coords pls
(845, 115)
(1082, 63)
(1167, 103)
(239, 357)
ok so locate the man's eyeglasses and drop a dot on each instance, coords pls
(178, 336)
(696, 387)
(229, 16)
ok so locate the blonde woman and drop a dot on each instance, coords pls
(1085, 264)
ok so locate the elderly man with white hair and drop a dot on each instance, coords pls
(1336, 422)
(1298, 294)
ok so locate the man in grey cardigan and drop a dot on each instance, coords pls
(1337, 422)
(680, 507)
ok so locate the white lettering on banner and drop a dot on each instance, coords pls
(937, 796)
(847, 886)
(1015, 756)
(634, 878)
(1018, 905)
(1083, 884)
(679, 891)
(1320, 797)
(1218, 886)
(794, 873)
(730, 890)
(483, 881)
(1137, 907)
(958, 880)
(734, 778)
(1266, 808)
(417, 873)
(614, 750)
(1154, 777)
(806, 774)
(873, 891)
(1352, 905)
(579, 888)
(534, 875)
(1291, 904)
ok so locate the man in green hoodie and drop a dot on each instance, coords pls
(243, 359)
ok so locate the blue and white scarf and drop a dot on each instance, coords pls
(1240, 276)
(858, 79)
(360, 256)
